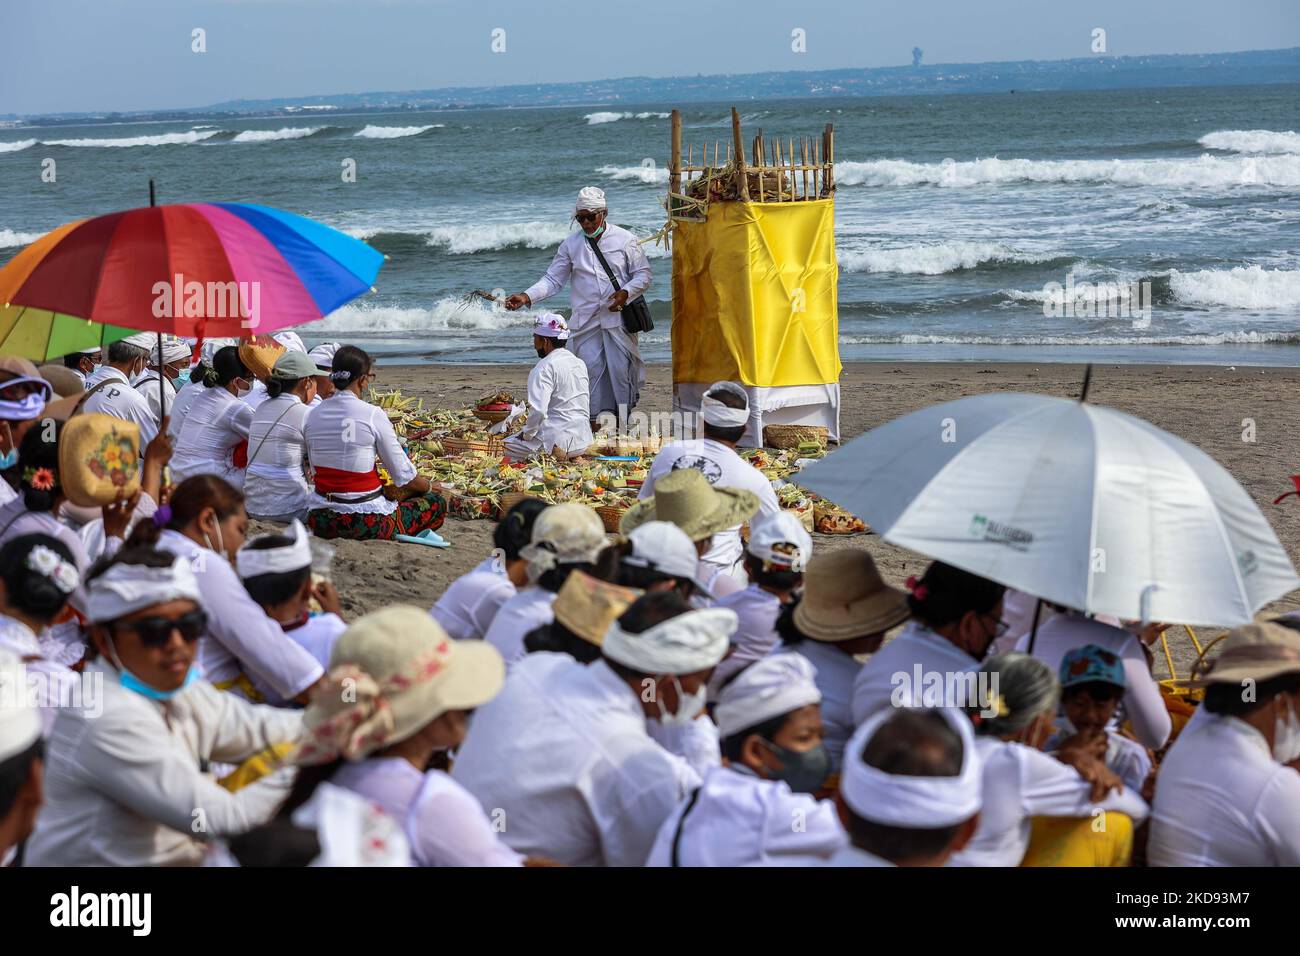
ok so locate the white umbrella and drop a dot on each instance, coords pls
(1079, 504)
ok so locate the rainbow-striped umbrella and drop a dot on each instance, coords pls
(196, 269)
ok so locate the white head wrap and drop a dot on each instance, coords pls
(690, 642)
(590, 198)
(251, 562)
(143, 340)
(568, 533)
(174, 352)
(771, 686)
(551, 325)
(290, 340)
(323, 355)
(211, 347)
(20, 722)
(126, 588)
(921, 803)
(723, 416)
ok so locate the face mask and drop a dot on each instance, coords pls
(1286, 736)
(221, 543)
(804, 771)
(182, 379)
(9, 459)
(241, 391)
(689, 706)
(596, 234)
(22, 410)
(133, 683)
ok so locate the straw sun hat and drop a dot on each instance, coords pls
(392, 673)
(844, 598)
(1259, 652)
(587, 607)
(686, 498)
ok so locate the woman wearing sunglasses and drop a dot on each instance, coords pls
(127, 770)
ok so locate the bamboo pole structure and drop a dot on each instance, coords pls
(675, 158)
(739, 147)
(828, 137)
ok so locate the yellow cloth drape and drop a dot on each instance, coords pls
(1069, 841)
(257, 766)
(754, 295)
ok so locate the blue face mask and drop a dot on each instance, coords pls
(9, 459)
(182, 380)
(131, 682)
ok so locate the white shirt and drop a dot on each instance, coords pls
(346, 434)
(559, 407)
(468, 607)
(126, 787)
(7, 493)
(589, 286)
(275, 483)
(526, 610)
(122, 401)
(16, 520)
(888, 679)
(836, 672)
(443, 822)
(562, 752)
(1021, 782)
(146, 383)
(181, 407)
(722, 467)
(52, 684)
(240, 637)
(317, 635)
(256, 395)
(1223, 800)
(1127, 758)
(1143, 703)
(215, 423)
(757, 611)
(850, 855)
(739, 819)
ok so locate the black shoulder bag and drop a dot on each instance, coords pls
(636, 313)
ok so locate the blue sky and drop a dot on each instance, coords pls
(89, 55)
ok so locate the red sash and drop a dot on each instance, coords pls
(239, 454)
(333, 481)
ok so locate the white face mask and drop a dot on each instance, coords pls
(1286, 736)
(689, 706)
(241, 391)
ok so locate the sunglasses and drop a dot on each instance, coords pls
(157, 631)
(586, 216)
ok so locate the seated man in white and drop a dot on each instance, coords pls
(559, 407)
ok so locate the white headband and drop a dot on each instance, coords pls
(716, 413)
(551, 325)
(126, 588)
(768, 688)
(920, 803)
(251, 562)
(694, 641)
(590, 198)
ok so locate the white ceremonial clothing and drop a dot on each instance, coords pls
(275, 482)
(240, 638)
(517, 616)
(850, 855)
(1127, 758)
(722, 467)
(614, 365)
(7, 493)
(346, 434)
(739, 819)
(1144, 705)
(467, 608)
(214, 426)
(696, 741)
(1021, 782)
(16, 521)
(836, 672)
(256, 395)
(558, 409)
(146, 383)
(1222, 799)
(563, 752)
(122, 786)
(317, 635)
(50, 684)
(92, 532)
(122, 401)
(889, 678)
(755, 636)
(181, 407)
(444, 824)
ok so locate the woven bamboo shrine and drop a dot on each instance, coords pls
(755, 275)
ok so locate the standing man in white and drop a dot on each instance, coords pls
(613, 361)
(559, 415)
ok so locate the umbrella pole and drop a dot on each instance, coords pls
(1033, 630)
(162, 395)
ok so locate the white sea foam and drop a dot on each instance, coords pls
(1244, 287)
(650, 175)
(1207, 338)
(9, 238)
(394, 132)
(595, 119)
(1252, 141)
(935, 259)
(15, 147)
(449, 314)
(1203, 172)
(158, 139)
(270, 135)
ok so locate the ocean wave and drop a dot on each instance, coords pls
(9, 238)
(937, 259)
(394, 132)
(15, 147)
(449, 314)
(1204, 172)
(1206, 338)
(158, 139)
(468, 238)
(1243, 287)
(595, 119)
(1252, 141)
(271, 135)
(649, 174)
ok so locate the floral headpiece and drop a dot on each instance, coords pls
(47, 563)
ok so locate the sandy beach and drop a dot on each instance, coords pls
(1205, 405)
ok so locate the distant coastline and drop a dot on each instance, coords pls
(1245, 68)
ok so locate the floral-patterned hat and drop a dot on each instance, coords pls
(99, 458)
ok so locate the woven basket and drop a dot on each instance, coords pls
(468, 507)
(790, 436)
(821, 511)
(611, 515)
(492, 415)
(468, 446)
(509, 500)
